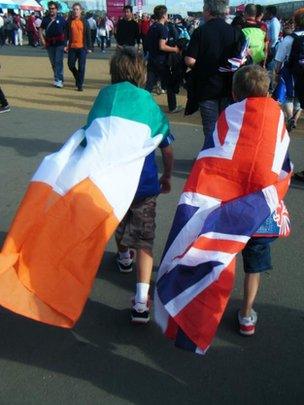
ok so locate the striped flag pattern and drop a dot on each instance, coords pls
(73, 204)
(232, 189)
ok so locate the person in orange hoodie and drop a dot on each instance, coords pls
(79, 41)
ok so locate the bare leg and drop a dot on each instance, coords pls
(144, 265)
(288, 110)
(251, 286)
(297, 116)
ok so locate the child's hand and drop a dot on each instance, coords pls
(165, 185)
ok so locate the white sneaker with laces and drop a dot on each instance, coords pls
(247, 323)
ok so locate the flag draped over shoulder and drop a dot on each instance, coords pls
(232, 189)
(73, 204)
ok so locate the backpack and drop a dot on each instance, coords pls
(256, 38)
(182, 33)
(296, 57)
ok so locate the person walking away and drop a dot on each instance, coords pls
(93, 30)
(252, 83)
(158, 54)
(110, 31)
(144, 27)
(211, 45)
(137, 229)
(127, 30)
(18, 30)
(102, 33)
(32, 32)
(79, 41)
(285, 89)
(256, 35)
(52, 37)
(9, 29)
(294, 49)
(274, 29)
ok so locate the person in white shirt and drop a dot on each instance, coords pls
(291, 104)
(93, 27)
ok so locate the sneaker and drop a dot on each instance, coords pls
(125, 265)
(247, 324)
(176, 109)
(58, 84)
(79, 88)
(291, 124)
(140, 313)
(4, 109)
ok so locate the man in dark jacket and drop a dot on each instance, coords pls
(78, 35)
(52, 36)
(211, 45)
(127, 30)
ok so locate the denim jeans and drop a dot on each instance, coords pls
(56, 54)
(159, 72)
(77, 55)
(210, 111)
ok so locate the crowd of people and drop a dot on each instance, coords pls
(218, 64)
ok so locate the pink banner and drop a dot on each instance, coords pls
(114, 8)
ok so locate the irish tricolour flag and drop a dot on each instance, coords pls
(73, 204)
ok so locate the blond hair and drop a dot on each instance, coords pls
(128, 66)
(250, 81)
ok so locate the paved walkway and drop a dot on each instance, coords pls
(105, 360)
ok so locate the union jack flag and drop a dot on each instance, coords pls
(231, 191)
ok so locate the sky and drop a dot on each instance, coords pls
(182, 6)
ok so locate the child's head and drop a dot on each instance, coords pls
(250, 81)
(127, 66)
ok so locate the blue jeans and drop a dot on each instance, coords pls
(56, 54)
(80, 55)
(210, 111)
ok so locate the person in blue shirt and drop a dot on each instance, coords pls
(52, 37)
(137, 229)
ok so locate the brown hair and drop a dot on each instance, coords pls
(159, 12)
(299, 18)
(250, 81)
(251, 10)
(77, 4)
(128, 66)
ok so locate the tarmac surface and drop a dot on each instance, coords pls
(104, 359)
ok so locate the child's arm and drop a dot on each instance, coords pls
(165, 180)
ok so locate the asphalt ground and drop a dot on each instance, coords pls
(106, 360)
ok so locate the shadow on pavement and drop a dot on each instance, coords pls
(139, 365)
(29, 147)
(297, 184)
